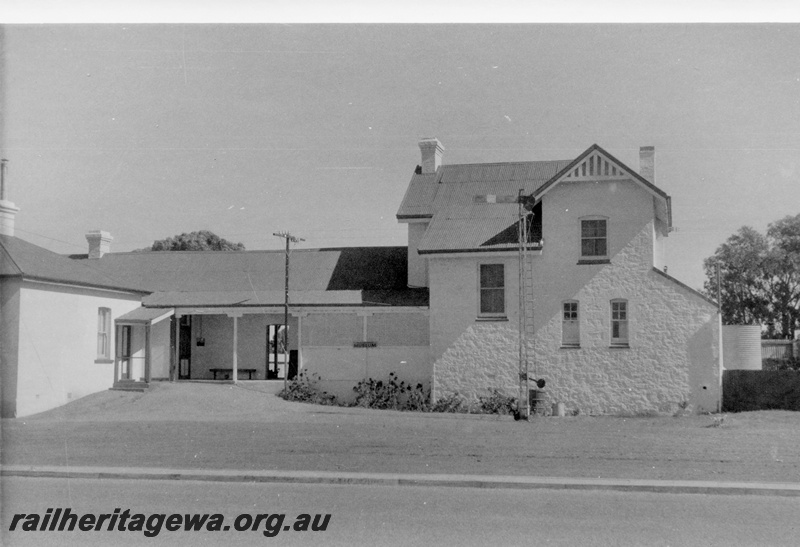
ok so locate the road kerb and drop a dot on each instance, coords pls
(399, 479)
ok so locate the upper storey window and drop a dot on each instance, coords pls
(492, 290)
(594, 238)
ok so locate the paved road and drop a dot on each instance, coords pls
(384, 515)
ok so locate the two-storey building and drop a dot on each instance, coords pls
(607, 328)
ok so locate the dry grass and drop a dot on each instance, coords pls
(220, 426)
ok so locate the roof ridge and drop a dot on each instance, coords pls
(503, 162)
(224, 253)
(39, 263)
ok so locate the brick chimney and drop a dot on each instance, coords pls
(99, 243)
(647, 163)
(8, 211)
(431, 154)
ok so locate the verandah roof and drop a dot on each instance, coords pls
(146, 316)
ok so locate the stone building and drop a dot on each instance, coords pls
(608, 329)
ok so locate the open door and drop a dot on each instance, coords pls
(275, 352)
(185, 348)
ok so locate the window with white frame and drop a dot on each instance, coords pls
(594, 238)
(570, 330)
(619, 322)
(492, 290)
(104, 333)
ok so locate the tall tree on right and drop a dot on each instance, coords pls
(760, 277)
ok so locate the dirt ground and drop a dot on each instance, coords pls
(219, 426)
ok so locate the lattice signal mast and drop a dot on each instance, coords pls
(526, 325)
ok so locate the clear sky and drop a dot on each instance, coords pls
(146, 131)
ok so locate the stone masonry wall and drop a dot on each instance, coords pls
(673, 358)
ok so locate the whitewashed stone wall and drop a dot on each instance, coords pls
(673, 356)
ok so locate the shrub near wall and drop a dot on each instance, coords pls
(744, 390)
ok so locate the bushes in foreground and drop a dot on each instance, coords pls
(391, 394)
(303, 389)
(395, 394)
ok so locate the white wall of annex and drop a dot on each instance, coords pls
(58, 344)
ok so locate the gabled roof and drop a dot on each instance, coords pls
(458, 224)
(18, 258)
(459, 184)
(599, 171)
(339, 276)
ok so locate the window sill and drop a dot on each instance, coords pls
(620, 346)
(104, 361)
(497, 318)
(583, 261)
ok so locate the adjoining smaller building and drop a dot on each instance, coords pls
(56, 325)
(220, 316)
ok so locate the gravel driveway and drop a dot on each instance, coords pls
(222, 426)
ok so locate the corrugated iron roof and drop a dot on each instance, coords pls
(520, 171)
(418, 200)
(250, 298)
(446, 200)
(338, 276)
(406, 297)
(460, 224)
(465, 227)
(355, 268)
(460, 183)
(18, 258)
(143, 315)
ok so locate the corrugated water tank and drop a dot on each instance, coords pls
(741, 347)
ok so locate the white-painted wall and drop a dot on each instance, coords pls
(57, 344)
(9, 343)
(251, 343)
(402, 347)
(673, 356)
(417, 265)
(160, 350)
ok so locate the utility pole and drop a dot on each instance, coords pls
(289, 239)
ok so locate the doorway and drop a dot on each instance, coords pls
(275, 352)
(185, 347)
(125, 357)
